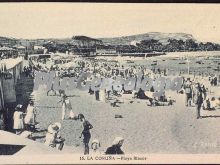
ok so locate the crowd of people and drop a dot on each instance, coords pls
(196, 94)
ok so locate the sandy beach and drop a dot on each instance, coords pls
(163, 129)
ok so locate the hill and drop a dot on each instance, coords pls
(85, 41)
(161, 37)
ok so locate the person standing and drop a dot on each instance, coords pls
(97, 95)
(188, 92)
(18, 119)
(198, 99)
(68, 107)
(86, 133)
(30, 117)
(63, 106)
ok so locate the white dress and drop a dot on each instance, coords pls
(50, 139)
(67, 107)
(102, 95)
(29, 118)
(18, 120)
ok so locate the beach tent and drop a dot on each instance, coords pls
(70, 64)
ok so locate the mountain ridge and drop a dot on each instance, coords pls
(120, 40)
(162, 37)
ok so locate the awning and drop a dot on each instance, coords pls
(24, 146)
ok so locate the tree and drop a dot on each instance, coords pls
(191, 45)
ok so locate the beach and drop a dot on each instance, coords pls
(161, 129)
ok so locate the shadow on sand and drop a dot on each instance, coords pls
(211, 116)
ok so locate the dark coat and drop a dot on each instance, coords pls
(113, 150)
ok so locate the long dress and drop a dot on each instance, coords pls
(18, 120)
(69, 108)
(102, 95)
(50, 139)
(30, 116)
(66, 106)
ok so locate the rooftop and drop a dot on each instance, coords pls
(27, 146)
(10, 62)
(6, 48)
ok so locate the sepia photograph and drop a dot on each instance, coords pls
(109, 83)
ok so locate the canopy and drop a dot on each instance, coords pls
(5, 48)
(30, 147)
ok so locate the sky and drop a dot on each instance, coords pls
(64, 20)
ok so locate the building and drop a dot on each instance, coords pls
(21, 49)
(106, 51)
(6, 52)
(8, 42)
(39, 49)
(10, 73)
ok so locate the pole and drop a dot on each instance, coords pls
(188, 64)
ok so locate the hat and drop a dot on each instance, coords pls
(19, 106)
(54, 127)
(117, 140)
(95, 141)
(31, 102)
(81, 116)
(208, 98)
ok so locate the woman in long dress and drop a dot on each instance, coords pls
(66, 106)
(18, 119)
(102, 95)
(29, 119)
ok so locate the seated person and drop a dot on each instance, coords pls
(53, 138)
(218, 102)
(210, 104)
(95, 146)
(214, 103)
(116, 147)
(126, 91)
(26, 134)
(140, 94)
(156, 102)
(162, 98)
(116, 93)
